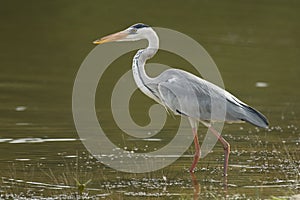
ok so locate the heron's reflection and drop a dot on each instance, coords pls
(197, 188)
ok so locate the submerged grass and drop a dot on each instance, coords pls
(261, 171)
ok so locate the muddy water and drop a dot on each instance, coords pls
(255, 45)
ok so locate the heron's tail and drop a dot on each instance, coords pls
(254, 117)
(237, 110)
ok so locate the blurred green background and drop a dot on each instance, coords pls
(44, 42)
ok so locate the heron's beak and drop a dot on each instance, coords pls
(110, 38)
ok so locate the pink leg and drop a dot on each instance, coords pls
(197, 150)
(226, 147)
(196, 186)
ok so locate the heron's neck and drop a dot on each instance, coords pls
(138, 66)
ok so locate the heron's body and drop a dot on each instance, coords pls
(162, 87)
(184, 93)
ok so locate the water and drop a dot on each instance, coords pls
(255, 45)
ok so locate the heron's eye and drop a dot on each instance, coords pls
(134, 30)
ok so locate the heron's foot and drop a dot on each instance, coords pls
(192, 170)
(226, 158)
(226, 147)
(196, 186)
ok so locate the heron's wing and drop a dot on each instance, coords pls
(186, 94)
(189, 95)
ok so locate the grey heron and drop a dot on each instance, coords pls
(184, 93)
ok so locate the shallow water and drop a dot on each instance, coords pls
(255, 45)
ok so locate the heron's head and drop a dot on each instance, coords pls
(132, 33)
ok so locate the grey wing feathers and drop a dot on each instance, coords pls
(188, 95)
(240, 110)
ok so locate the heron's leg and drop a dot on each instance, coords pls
(197, 150)
(226, 147)
(196, 186)
(194, 125)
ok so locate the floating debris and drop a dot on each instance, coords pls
(40, 140)
(164, 178)
(20, 108)
(22, 124)
(261, 84)
(145, 139)
(22, 159)
(5, 139)
(71, 156)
